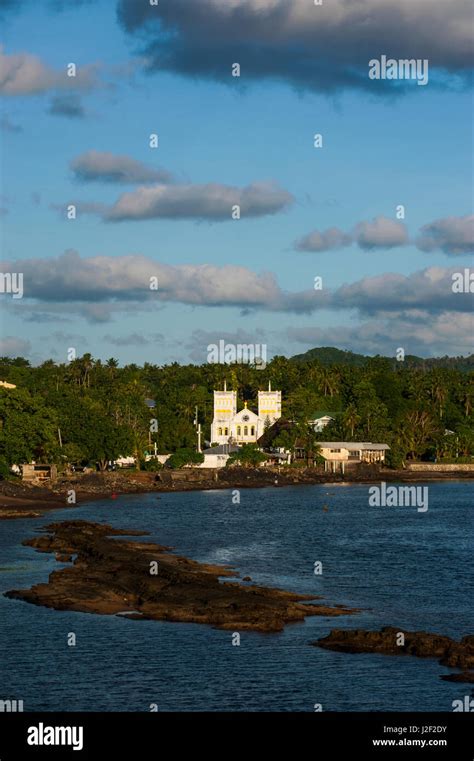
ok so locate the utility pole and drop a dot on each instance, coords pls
(199, 438)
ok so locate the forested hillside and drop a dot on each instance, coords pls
(100, 410)
(329, 355)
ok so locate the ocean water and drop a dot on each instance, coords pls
(402, 567)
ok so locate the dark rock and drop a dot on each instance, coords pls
(419, 644)
(465, 676)
(111, 576)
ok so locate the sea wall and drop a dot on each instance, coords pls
(440, 467)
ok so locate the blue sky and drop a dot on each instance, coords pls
(409, 145)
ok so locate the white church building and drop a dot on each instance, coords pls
(243, 427)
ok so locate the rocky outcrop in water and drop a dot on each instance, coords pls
(143, 580)
(420, 644)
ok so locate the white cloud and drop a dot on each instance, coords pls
(381, 232)
(26, 74)
(112, 168)
(212, 201)
(452, 235)
(324, 241)
(323, 48)
(416, 331)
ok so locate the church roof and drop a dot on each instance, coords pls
(251, 414)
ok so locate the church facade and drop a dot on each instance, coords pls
(244, 427)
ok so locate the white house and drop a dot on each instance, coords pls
(216, 457)
(318, 423)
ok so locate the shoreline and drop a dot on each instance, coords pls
(19, 500)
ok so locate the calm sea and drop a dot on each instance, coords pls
(402, 567)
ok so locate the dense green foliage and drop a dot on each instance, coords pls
(101, 413)
(329, 355)
(249, 455)
(183, 457)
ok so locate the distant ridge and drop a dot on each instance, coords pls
(330, 355)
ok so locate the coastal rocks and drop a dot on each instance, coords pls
(145, 581)
(465, 676)
(389, 641)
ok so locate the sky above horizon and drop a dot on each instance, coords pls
(225, 141)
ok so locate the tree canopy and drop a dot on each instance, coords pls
(92, 411)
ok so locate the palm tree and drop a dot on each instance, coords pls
(86, 363)
(112, 365)
(467, 396)
(438, 393)
(328, 381)
(351, 418)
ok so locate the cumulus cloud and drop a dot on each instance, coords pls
(322, 48)
(26, 74)
(429, 289)
(452, 235)
(213, 202)
(324, 241)
(96, 284)
(417, 332)
(381, 232)
(94, 166)
(68, 105)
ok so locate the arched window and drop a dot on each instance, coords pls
(226, 431)
(252, 430)
(246, 430)
(239, 430)
(219, 431)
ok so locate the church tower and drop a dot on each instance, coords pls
(269, 404)
(225, 409)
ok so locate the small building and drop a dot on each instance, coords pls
(37, 472)
(5, 384)
(216, 457)
(320, 420)
(277, 457)
(340, 453)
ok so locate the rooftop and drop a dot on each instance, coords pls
(351, 445)
(221, 449)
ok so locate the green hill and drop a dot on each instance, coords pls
(330, 355)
